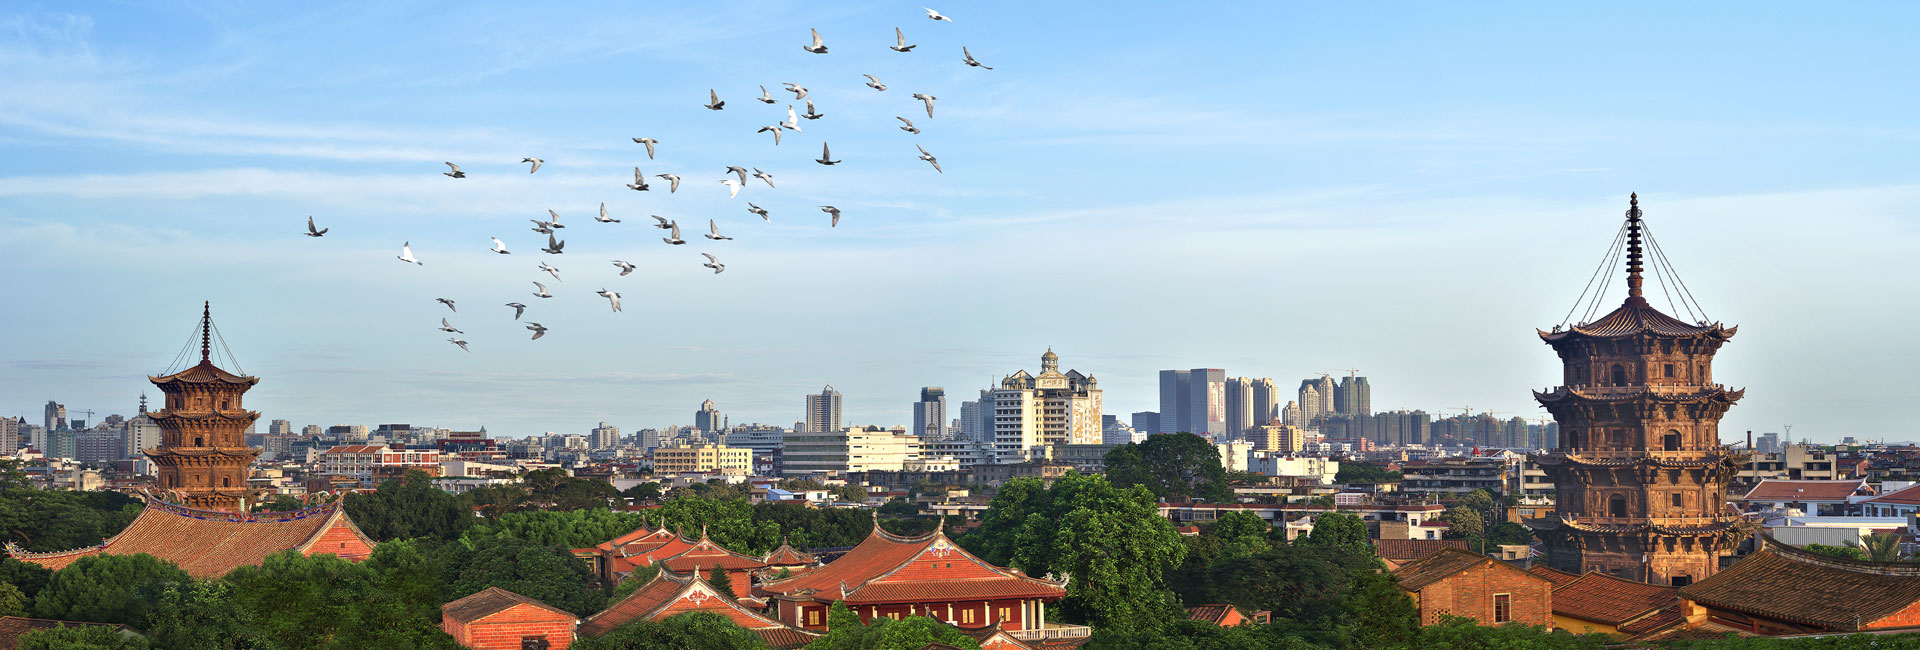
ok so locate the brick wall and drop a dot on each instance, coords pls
(1908, 616)
(339, 540)
(1470, 593)
(504, 630)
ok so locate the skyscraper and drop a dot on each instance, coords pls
(1353, 396)
(1051, 408)
(823, 411)
(708, 419)
(1316, 399)
(56, 416)
(605, 436)
(930, 414)
(1146, 421)
(1239, 406)
(280, 427)
(1173, 401)
(1206, 401)
(976, 421)
(1266, 401)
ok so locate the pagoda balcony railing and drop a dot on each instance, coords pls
(1630, 454)
(1053, 631)
(1629, 391)
(1659, 521)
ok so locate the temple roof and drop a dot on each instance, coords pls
(1703, 394)
(1636, 318)
(704, 554)
(787, 555)
(1789, 584)
(1605, 599)
(208, 543)
(490, 601)
(670, 593)
(895, 568)
(1712, 528)
(201, 373)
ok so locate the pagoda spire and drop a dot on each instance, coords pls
(1633, 252)
(206, 332)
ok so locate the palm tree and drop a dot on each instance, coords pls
(1881, 547)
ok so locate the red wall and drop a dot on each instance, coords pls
(503, 630)
(340, 540)
(1910, 615)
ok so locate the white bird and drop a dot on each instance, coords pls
(611, 296)
(542, 293)
(741, 171)
(456, 173)
(900, 42)
(935, 15)
(713, 101)
(812, 114)
(316, 233)
(448, 327)
(763, 176)
(538, 331)
(664, 224)
(603, 218)
(714, 233)
(536, 163)
(733, 187)
(969, 60)
(462, 344)
(759, 211)
(673, 182)
(674, 238)
(826, 157)
(448, 303)
(765, 97)
(833, 211)
(714, 264)
(639, 183)
(406, 253)
(929, 158)
(649, 142)
(874, 82)
(625, 266)
(776, 133)
(551, 271)
(910, 128)
(556, 219)
(793, 121)
(553, 246)
(817, 47)
(518, 309)
(799, 91)
(500, 247)
(929, 101)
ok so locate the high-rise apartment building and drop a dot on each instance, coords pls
(280, 428)
(1239, 406)
(823, 411)
(56, 416)
(1277, 436)
(1316, 399)
(1147, 422)
(1051, 408)
(930, 414)
(709, 419)
(976, 418)
(1266, 401)
(605, 436)
(142, 433)
(1352, 396)
(311, 431)
(9, 436)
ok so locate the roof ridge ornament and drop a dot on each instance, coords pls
(1634, 268)
(206, 332)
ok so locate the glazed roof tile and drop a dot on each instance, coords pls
(670, 593)
(892, 568)
(1602, 598)
(1633, 319)
(1789, 584)
(208, 543)
(1909, 496)
(490, 601)
(1210, 613)
(1557, 576)
(787, 556)
(786, 638)
(205, 372)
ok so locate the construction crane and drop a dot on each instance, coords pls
(1351, 372)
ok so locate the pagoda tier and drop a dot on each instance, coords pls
(203, 457)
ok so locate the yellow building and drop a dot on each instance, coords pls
(1275, 436)
(701, 457)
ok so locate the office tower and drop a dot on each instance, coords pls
(311, 431)
(1051, 408)
(606, 436)
(1767, 443)
(930, 414)
(823, 411)
(1207, 401)
(9, 436)
(56, 416)
(280, 427)
(1239, 406)
(1146, 421)
(708, 419)
(1173, 401)
(1266, 401)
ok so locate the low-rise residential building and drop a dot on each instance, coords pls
(1453, 582)
(1320, 469)
(1810, 498)
(857, 449)
(1453, 475)
(702, 457)
(369, 464)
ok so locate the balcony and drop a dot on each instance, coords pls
(1053, 631)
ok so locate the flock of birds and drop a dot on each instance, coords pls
(734, 184)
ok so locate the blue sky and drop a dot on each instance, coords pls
(1271, 188)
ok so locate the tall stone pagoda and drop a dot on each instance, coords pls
(1640, 476)
(203, 454)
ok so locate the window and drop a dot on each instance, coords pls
(1617, 506)
(1682, 581)
(1669, 370)
(1502, 608)
(534, 642)
(1006, 613)
(1619, 375)
(966, 616)
(1672, 441)
(1677, 498)
(813, 617)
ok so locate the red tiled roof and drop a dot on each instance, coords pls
(209, 543)
(490, 601)
(1786, 583)
(635, 535)
(1666, 617)
(1783, 490)
(11, 627)
(1602, 598)
(1413, 549)
(1214, 614)
(786, 638)
(205, 372)
(670, 593)
(1909, 496)
(704, 554)
(1557, 576)
(891, 568)
(1444, 563)
(788, 556)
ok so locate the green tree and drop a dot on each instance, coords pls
(202, 616)
(730, 523)
(1467, 634)
(280, 503)
(322, 601)
(1464, 522)
(408, 507)
(1508, 533)
(1338, 529)
(693, 631)
(998, 534)
(1881, 547)
(1175, 467)
(30, 578)
(1842, 552)
(107, 589)
(554, 489)
(80, 637)
(1478, 500)
(58, 520)
(639, 578)
(850, 493)
(846, 632)
(1113, 542)
(1364, 472)
(546, 573)
(645, 492)
(14, 602)
(1241, 533)
(721, 582)
(564, 528)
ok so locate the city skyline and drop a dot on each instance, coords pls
(1422, 216)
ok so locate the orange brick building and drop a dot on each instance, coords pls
(497, 619)
(209, 543)
(1459, 583)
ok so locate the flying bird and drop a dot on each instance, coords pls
(664, 224)
(935, 15)
(793, 122)
(969, 60)
(874, 82)
(542, 227)
(406, 253)
(603, 218)
(536, 163)
(733, 187)
(759, 211)
(910, 128)
(713, 101)
(462, 344)
(900, 42)
(649, 142)
(826, 157)
(542, 293)
(763, 176)
(741, 171)
(799, 91)
(811, 114)
(675, 237)
(538, 331)
(776, 133)
(551, 271)
(765, 97)
(317, 233)
(673, 182)
(553, 246)
(625, 266)
(929, 101)
(714, 232)
(611, 296)
(499, 246)
(518, 308)
(448, 327)
(556, 219)
(714, 264)
(833, 211)
(448, 303)
(817, 47)
(929, 158)
(456, 173)
(639, 183)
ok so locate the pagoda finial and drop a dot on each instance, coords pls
(1633, 251)
(206, 332)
